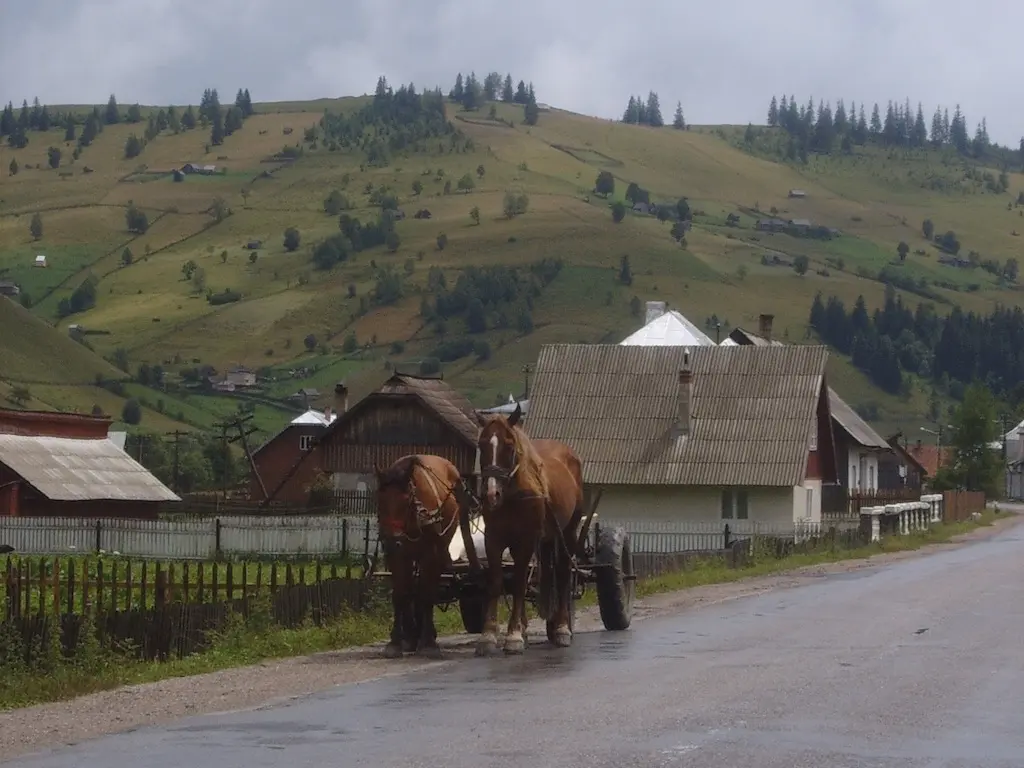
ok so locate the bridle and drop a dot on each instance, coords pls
(505, 476)
(420, 515)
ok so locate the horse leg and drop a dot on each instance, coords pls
(399, 599)
(411, 614)
(514, 641)
(493, 546)
(430, 575)
(562, 635)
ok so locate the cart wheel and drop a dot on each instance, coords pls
(613, 558)
(472, 609)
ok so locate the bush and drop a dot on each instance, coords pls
(227, 296)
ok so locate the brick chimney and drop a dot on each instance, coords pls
(764, 325)
(340, 398)
(655, 309)
(685, 397)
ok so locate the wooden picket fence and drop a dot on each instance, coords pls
(169, 609)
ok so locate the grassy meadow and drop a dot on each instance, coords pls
(151, 311)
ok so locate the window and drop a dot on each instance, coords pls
(305, 442)
(735, 504)
(814, 438)
(810, 504)
(871, 478)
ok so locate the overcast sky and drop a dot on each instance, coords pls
(723, 60)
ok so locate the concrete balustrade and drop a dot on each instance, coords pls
(902, 518)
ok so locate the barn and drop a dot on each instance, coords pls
(407, 414)
(65, 465)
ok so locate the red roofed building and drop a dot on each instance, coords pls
(64, 465)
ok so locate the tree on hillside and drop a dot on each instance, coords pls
(53, 157)
(127, 257)
(136, 220)
(773, 113)
(618, 211)
(522, 96)
(605, 184)
(69, 129)
(654, 118)
(625, 270)
(131, 413)
(903, 249)
(531, 111)
(35, 227)
(800, 264)
(679, 121)
(132, 147)
(291, 239)
(188, 119)
(507, 94)
(12, 169)
(928, 228)
(474, 214)
(466, 183)
(112, 114)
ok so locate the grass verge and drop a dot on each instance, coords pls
(50, 677)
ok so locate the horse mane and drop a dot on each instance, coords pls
(531, 467)
(397, 475)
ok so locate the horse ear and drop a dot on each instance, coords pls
(517, 414)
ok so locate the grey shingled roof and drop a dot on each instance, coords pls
(843, 414)
(753, 410)
(66, 469)
(854, 425)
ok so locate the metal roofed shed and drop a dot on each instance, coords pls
(75, 477)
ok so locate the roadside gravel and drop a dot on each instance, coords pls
(49, 725)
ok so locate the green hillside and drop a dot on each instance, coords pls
(547, 252)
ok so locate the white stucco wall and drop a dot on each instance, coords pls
(807, 501)
(771, 506)
(862, 471)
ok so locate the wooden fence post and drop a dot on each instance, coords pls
(216, 539)
(99, 536)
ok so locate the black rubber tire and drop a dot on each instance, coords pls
(613, 558)
(472, 609)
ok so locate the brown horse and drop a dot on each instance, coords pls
(533, 501)
(419, 501)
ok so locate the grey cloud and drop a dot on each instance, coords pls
(722, 60)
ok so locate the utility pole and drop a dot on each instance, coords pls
(176, 434)
(526, 381)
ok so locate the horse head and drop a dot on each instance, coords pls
(507, 459)
(396, 494)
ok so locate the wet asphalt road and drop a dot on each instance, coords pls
(917, 664)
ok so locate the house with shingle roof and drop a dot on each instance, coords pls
(700, 434)
(858, 447)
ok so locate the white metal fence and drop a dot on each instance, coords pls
(191, 539)
(205, 538)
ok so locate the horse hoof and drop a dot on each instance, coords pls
(562, 638)
(392, 651)
(514, 645)
(430, 652)
(488, 645)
